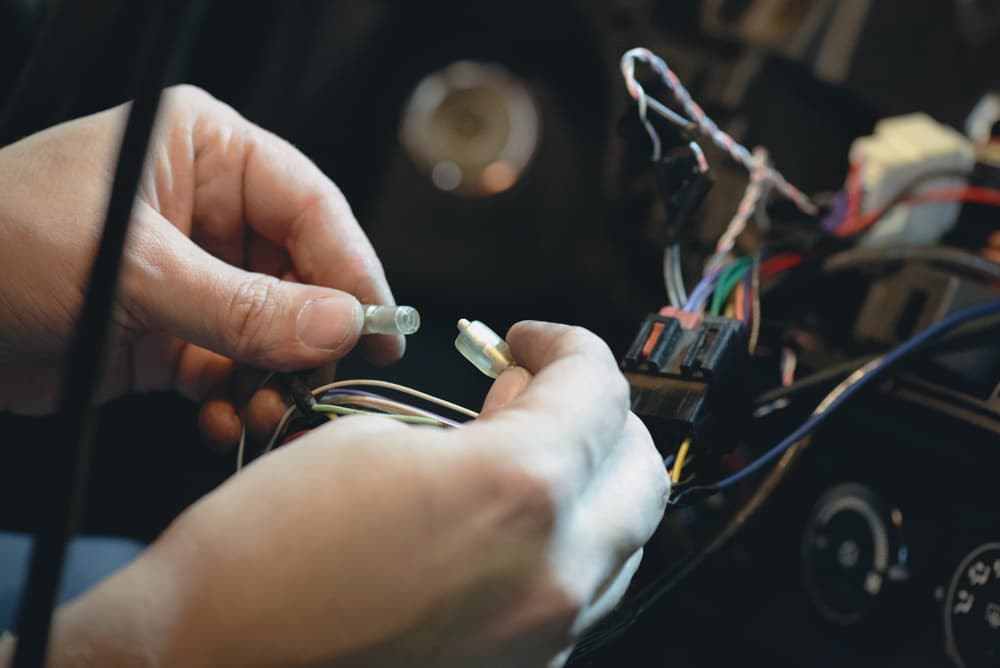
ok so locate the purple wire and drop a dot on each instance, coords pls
(701, 292)
(353, 393)
(372, 395)
(837, 214)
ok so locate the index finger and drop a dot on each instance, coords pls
(285, 198)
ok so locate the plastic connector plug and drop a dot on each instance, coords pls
(688, 375)
(916, 153)
(683, 190)
(403, 320)
(483, 347)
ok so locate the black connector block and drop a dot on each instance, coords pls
(688, 376)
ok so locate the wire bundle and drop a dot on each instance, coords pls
(701, 121)
(345, 398)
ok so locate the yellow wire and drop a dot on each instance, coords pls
(675, 474)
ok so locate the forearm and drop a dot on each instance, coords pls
(129, 619)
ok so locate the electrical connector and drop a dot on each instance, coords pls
(683, 188)
(687, 373)
(487, 351)
(403, 320)
(911, 152)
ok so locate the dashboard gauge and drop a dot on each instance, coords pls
(972, 610)
(852, 553)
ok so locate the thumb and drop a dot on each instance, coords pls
(252, 318)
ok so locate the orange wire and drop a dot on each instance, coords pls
(738, 299)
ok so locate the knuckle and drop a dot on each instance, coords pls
(252, 310)
(186, 94)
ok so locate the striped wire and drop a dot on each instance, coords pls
(705, 125)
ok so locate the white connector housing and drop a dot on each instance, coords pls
(906, 150)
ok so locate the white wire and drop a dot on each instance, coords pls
(462, 410)
(389, 405)
(670, 278)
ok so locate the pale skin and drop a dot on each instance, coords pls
(367, 542)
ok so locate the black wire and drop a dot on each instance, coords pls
(72, 442)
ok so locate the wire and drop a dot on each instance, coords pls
(705, 125)
(365, 382)
(679, 274)
(752, 198)
(728, 278)
(329, 392)
(701, 292)
(739, 301)
(345, 410)
(675, 475)
(755, 314)
(670, 276)
(377, 402)
(699, 156)
(953, 258)
(789, 363)
(171, 26)
(858, 380)
(970, 195)
(629, 612)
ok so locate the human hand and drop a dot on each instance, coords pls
(240, 250)
(370, 543)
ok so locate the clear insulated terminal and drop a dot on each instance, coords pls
(403, 320)
(483, 347)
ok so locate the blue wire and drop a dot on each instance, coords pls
(887, 361)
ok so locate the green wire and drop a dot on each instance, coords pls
(727, 281)
(344, 410)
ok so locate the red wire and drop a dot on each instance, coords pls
(292, 437)
(971, 195)
(779, 263)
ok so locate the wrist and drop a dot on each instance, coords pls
(136, 617)
(7, 644)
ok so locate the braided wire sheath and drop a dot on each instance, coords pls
(705, 125)
(751, 200)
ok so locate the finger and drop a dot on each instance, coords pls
(252, 318)
(219, 422)
(198, 371)
(617, 514)
(264, 411)
(610, 595)
(506, 388)
(246, 175)
(572, 411)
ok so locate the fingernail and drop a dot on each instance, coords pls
(329, 323)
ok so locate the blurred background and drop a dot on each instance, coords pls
(484, 149)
